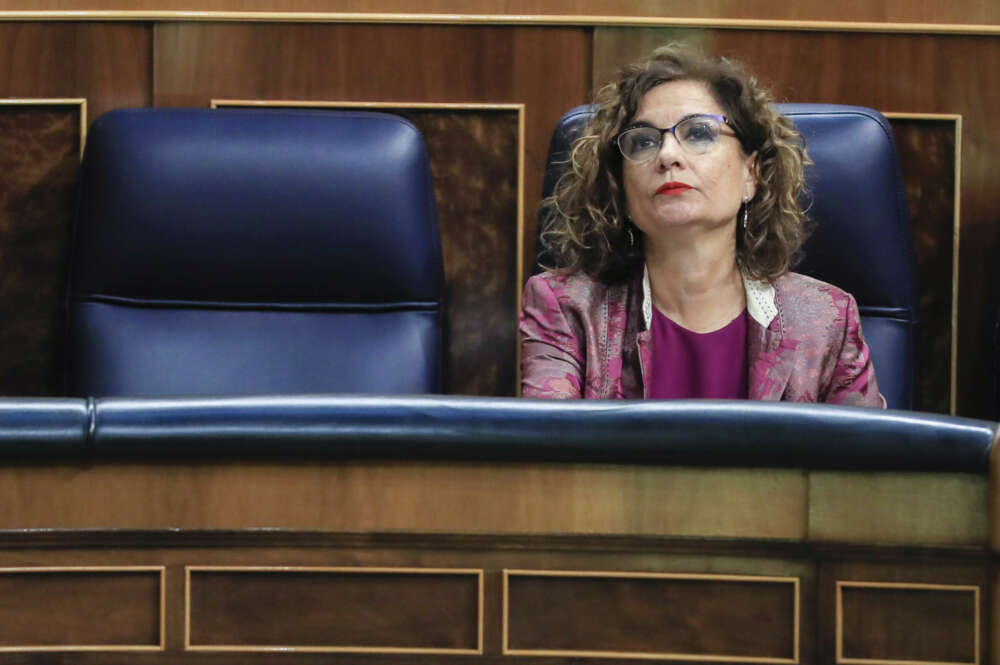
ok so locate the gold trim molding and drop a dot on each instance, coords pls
(500, 19)
(134, 648)
(796, 621)
(58, 101)
(251, 648)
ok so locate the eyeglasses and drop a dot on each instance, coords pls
(696, 134)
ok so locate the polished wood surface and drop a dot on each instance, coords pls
(109, 609)
(893, 607)
(908, 622)
(729, 618)
(622, 559)
(929, 160)
(361, 610)
(931, 509)
(39, 156)
(891, 73)
(371, 496)
(962, 12)
(108, 64)
(586, 580)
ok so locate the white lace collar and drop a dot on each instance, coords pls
(760, 300)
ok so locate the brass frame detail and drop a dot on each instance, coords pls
(96, 569)
(461, 106)
(839, 621)
(58, 101)
(361, 570)
(796, 620)
(956, 228)
(501, 19)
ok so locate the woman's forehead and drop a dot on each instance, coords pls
(671, 101)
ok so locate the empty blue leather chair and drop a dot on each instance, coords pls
(861, 241)
(253, 251)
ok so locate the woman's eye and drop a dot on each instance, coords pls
(699, 132)
(643, 141)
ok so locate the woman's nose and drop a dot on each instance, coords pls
(670, 152)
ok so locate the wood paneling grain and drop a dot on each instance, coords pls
(66, 609)
(39, 158)
(891, 73)
(108, 64)
(962, 11)
(900, 508)
(590, 614)
(339, 610)
(906, 622)
(927, 158)
(879, 620)
(543, 68)
(470, 498)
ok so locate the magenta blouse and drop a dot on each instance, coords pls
(688, 364)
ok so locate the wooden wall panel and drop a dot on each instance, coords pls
(928, 158)
(908, 622)
(81, 609)
(359, 609)
(891, 73)
(108, 65)
(883, 598)
(634, 615)
(961, 11)
(39, 158)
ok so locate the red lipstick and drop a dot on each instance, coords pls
(673, 188)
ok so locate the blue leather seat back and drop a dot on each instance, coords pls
(255, 252)
(861, 240)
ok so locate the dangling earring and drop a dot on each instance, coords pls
(746, 213)
(628, 231)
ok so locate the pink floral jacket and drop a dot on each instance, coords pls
(582, 338)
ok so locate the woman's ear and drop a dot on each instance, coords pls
(750, 176)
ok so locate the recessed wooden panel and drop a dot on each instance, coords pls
(382, 610)
(647, 615)
(475, 156)
(82, 609)
(928, 160)
(907, 623)
(39, 156)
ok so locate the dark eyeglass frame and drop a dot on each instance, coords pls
(721, 119)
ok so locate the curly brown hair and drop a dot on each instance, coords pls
(585, 222)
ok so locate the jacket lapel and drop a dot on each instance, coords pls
(769, 362)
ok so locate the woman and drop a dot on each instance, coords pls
(674, 230)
